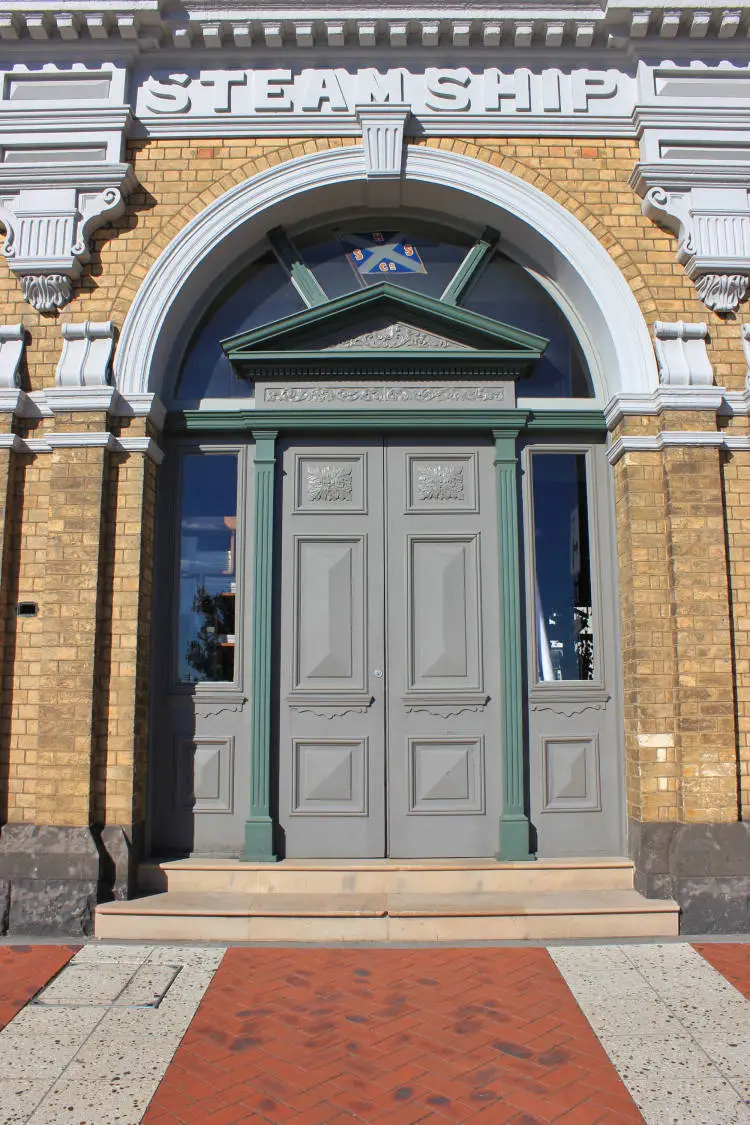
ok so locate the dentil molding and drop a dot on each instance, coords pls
(50, 212)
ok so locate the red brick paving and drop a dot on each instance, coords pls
(390, 1037)
(731, 959)
(24, 969)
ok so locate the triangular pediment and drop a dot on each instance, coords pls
(385, 324)
(391, 335)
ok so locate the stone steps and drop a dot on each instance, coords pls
(387, 902)
(387, 876)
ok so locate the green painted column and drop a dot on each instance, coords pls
(514, 824)
(259, 826)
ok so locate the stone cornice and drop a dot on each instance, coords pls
(53, 400)
(663, 399)
(676, 439)
(148, 24)
(147, 446)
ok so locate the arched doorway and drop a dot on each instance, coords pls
(416, 654)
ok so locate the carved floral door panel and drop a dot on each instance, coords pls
(389, 717)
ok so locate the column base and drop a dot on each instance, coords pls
(515, 839)
(259, 840)
(704, 867)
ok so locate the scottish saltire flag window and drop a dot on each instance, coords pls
(382, 253)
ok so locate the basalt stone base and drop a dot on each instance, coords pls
(52, 877)
(704, 867)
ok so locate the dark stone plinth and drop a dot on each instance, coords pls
(704, 867)
(51, 877)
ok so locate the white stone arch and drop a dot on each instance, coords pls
(534, 228)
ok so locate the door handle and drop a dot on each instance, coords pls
(378, 673)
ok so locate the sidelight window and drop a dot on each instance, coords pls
(207, 568)
(565, 636)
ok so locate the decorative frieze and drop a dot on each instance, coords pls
(368, 395)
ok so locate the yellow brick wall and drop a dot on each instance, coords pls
(73, 734)
(178, 178)
(79, 677)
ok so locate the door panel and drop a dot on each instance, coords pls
(329, 618)
(444, 730)
(575, 756)
(332, 712)
(444, 636)
(200, 753)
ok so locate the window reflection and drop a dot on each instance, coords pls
(507, 292)
(257, 296)
(208, 583)
(565, 640)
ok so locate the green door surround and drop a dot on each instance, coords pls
(504, 427)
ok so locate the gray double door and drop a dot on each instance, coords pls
(389, 727)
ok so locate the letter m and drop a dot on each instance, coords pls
(372, 86)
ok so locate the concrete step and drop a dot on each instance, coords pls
(387, 876)
(226, 916)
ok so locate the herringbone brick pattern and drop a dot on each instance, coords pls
(390, 1037)
(24, 969)
(732, 960)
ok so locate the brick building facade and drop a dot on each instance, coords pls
(130, 202)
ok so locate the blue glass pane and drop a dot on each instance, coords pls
(207, 591)
(344, 261)
(506, 292)
(257, 296)
(565, 641)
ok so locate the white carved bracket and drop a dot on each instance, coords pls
(681, 354)
(48, 226)
(12, 343)
(87, 355)
(383, 138)
(711, 217)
